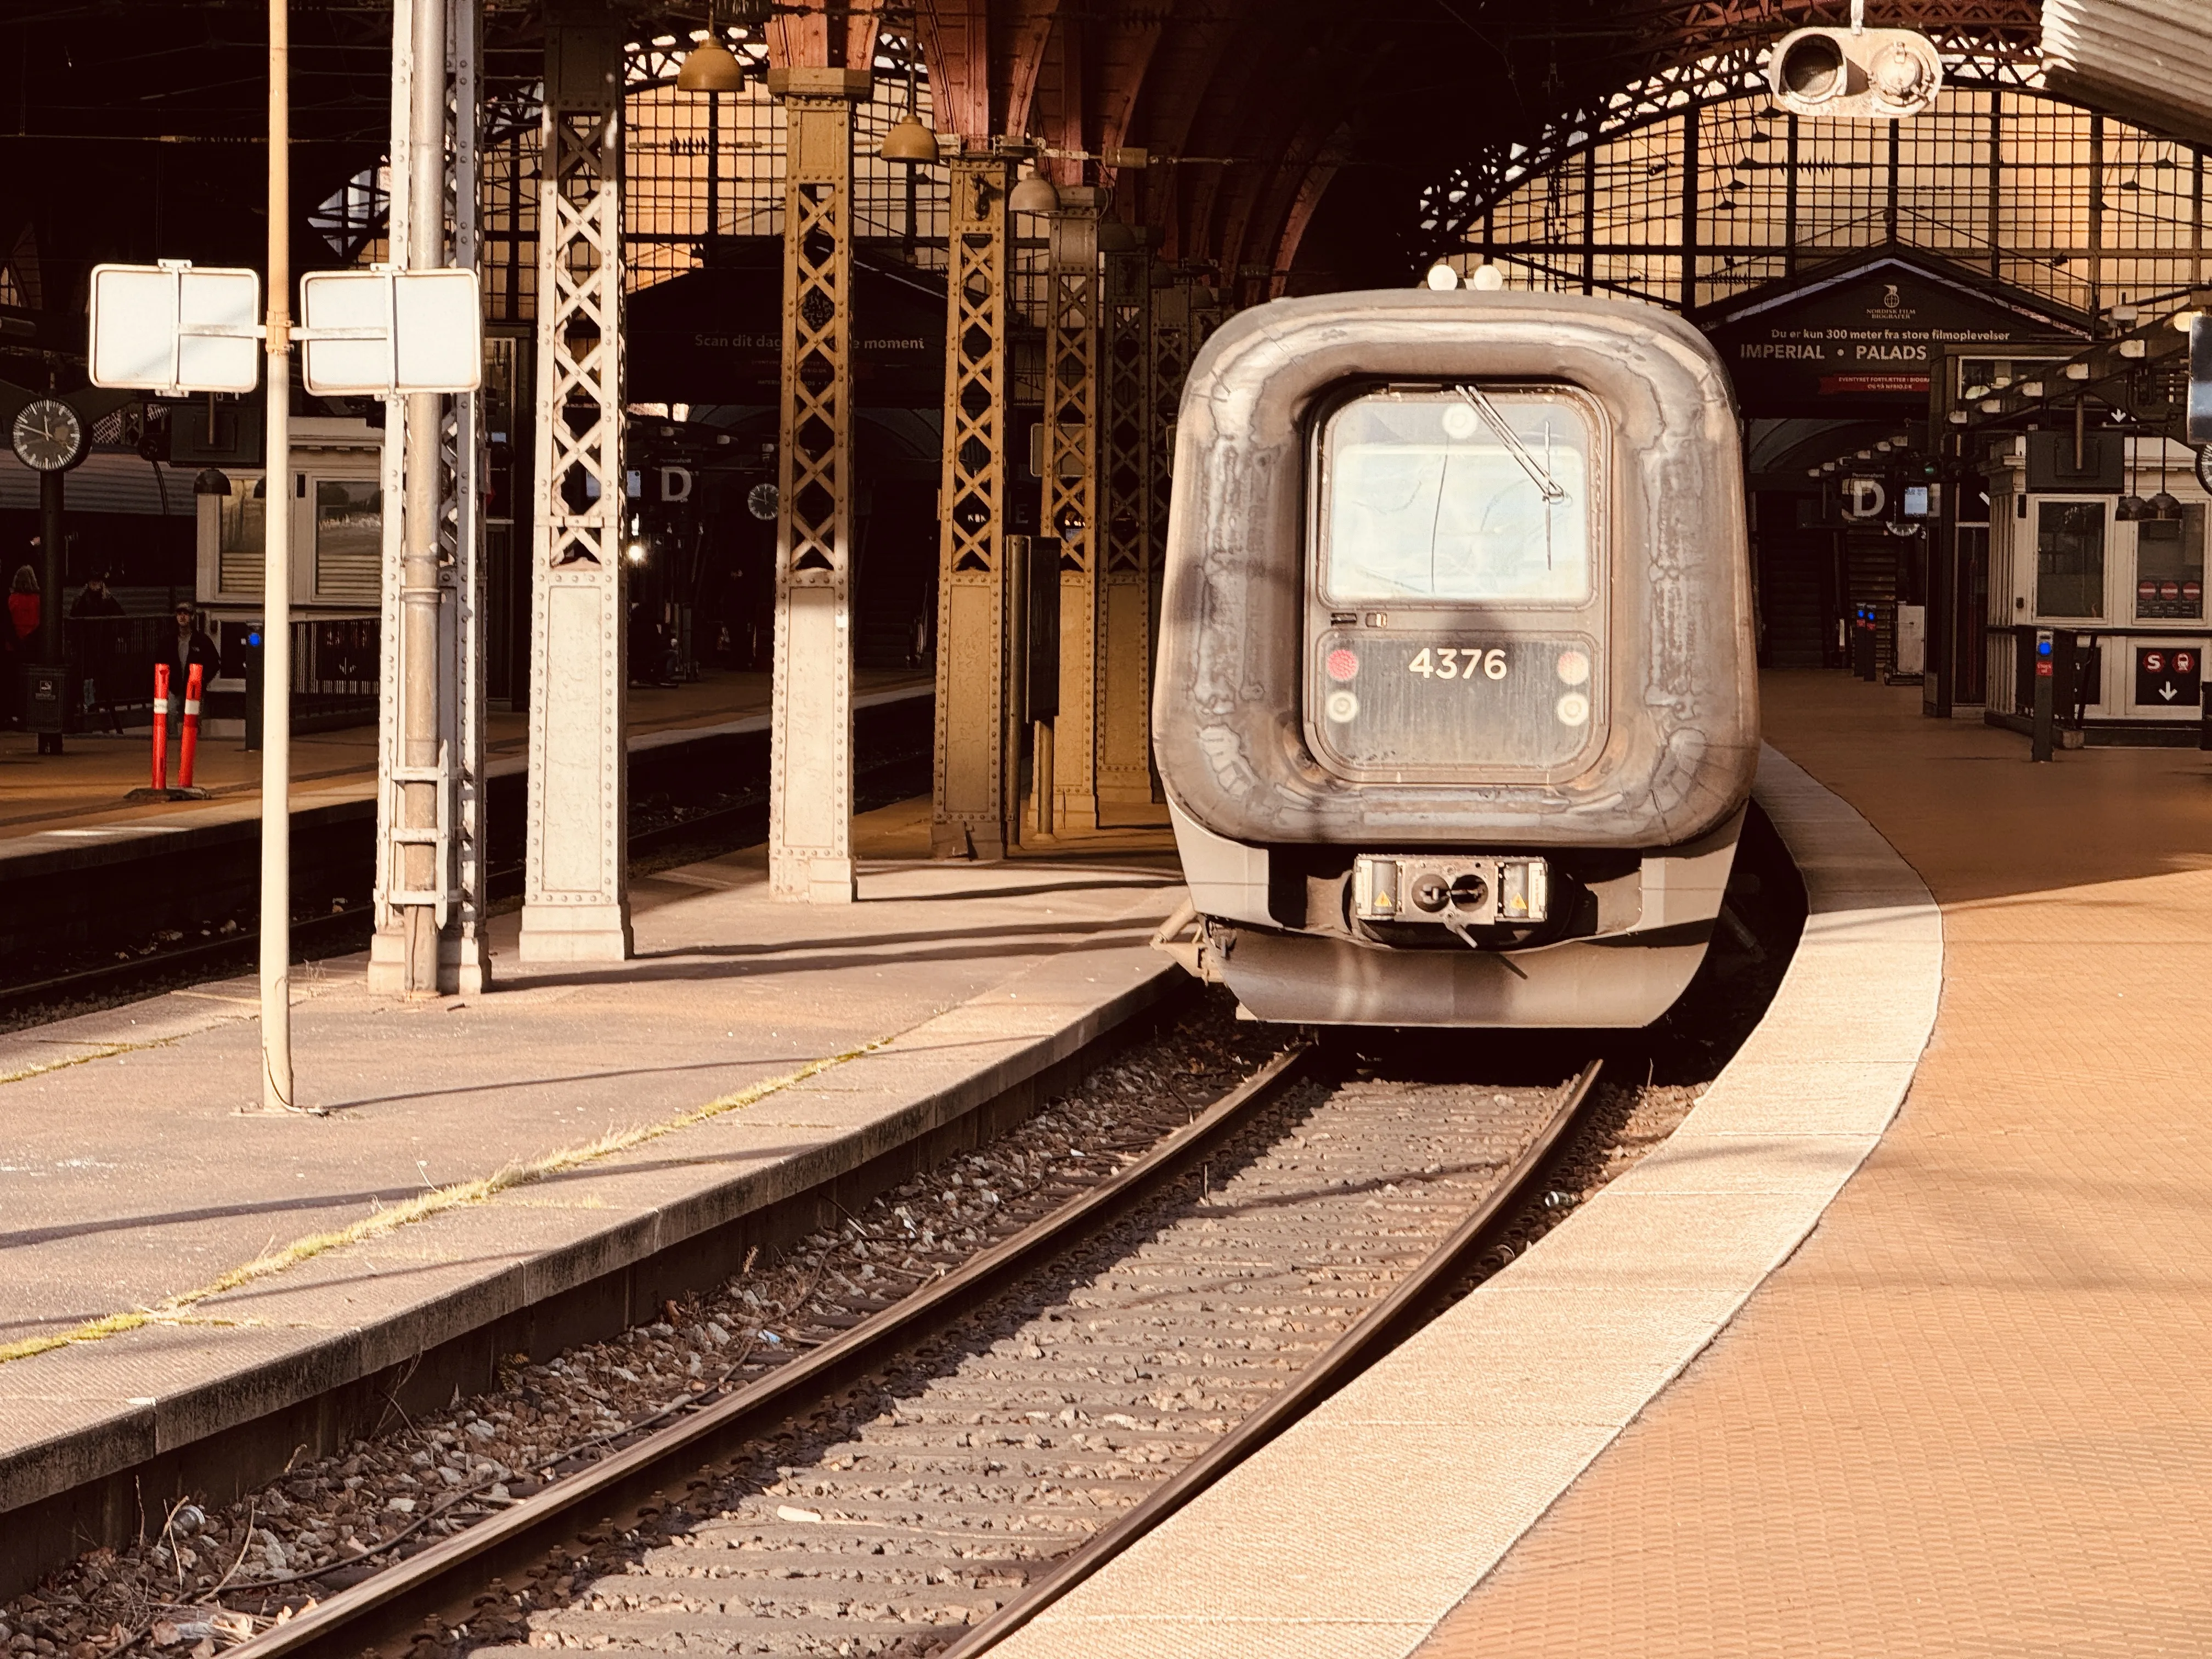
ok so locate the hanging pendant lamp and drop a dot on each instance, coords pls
(710, 66)
(1034, 194)
(909, 140)
(2131, 506)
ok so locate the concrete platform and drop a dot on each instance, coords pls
(49, 795)
(1820, 1376)
(188, 1288)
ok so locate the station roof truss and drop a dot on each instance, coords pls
(1248, 113)
(1257, 146)
(700, 172)
(1700, 54)
(1719, 198)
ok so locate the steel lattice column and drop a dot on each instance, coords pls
(429, 886)
(1070, 497)
(1125, 631)
(974, 774)
(810, 742)
(465, 462)
(576, 902)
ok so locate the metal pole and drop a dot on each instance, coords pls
(418, 564)
(1042, 780)
(461, 615)
(2096, 217)
(2040, 740)
(51, 574)
(276, 606)
(1690, 209)
(1019, 680)
(52, 569)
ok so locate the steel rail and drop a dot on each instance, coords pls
(451, 1572)
(739, 823)
(1366, 1341)
(112, 977)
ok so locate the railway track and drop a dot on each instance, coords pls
(660, 836)
(641, 1476)
(930, 1470)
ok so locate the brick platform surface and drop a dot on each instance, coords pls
(1973, 1414)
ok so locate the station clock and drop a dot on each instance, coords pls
(48, 435)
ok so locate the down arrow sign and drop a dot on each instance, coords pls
(2167, 691)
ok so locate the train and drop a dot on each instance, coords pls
(1456, 703)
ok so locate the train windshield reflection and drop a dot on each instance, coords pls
(1425, 501)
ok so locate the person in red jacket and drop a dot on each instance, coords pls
(23, 604)
(22, 622)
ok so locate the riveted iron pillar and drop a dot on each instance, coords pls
(429, 886)
(575, 905)
(811, 720)
(1070, 497)
(465, 463)
(1125, 490)
(975, 795)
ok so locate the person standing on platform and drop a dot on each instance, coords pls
(190, 644)
(23, 605)
(97, 638)
(22, 622)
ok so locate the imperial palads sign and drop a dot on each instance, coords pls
(1867, 337)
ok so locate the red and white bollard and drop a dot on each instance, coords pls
(161, 726)
(189, 742)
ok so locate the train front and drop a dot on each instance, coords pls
(1456, 704)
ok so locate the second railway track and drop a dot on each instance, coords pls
(124, 947)
(943, 1465)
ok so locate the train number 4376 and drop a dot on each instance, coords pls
(1445, 662)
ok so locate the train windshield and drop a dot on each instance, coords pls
(1459, 495)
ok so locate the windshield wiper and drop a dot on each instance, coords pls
(1551, 489)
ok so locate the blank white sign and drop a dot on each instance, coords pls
(141, 321)
(424, 332)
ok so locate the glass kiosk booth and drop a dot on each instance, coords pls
(2120, 571)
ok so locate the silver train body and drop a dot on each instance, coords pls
(1455, 706)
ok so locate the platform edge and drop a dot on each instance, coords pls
(1497, 1409)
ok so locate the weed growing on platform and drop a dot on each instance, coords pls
(175, 1309)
